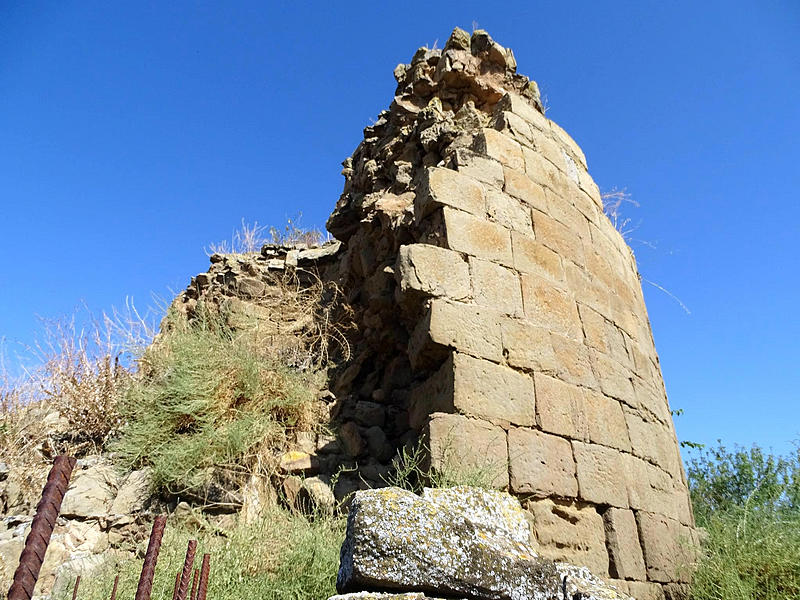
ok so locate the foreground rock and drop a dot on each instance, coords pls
(463, 542)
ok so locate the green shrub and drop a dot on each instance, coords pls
(283, 556)
(209, 398)
(747, 502)
(721, 480)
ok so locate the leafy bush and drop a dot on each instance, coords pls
(721, 480)
(209, 397)
(748, 503)
(282, 556)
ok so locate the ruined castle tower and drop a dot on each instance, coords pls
(502, 318)
(499, 319)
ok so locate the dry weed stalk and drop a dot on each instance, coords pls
(69, 402)
(320, 315)
(612, 207)
(251, 237)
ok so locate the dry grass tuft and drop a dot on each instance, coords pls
(612, 207)
(251, 237)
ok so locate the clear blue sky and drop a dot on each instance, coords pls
(133, 134)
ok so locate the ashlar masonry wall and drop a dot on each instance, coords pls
(547, 364)
(521, 312)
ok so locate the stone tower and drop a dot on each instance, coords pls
(501, 317)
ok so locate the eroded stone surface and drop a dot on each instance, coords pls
(399, 541)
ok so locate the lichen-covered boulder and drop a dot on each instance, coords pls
(383, 596)
(460, 542)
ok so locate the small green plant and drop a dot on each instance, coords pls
(412, 470)
(209, 399)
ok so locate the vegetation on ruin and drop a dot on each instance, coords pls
(210, 398)
(283, 555)
(748, 503)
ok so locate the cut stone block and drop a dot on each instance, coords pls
(572, 360)
(559, 238)
(624, 548)
(615, 380)
(541, 464)
(526, 346)
(477, 237)
(541, 170)
(502, 148)
(471, 329)
(496, 286)
(509, 212)
(467, 447)
(560, 407)
(570, 532)
(531, 256)
(549, 306)
(445, 187)
(425, 270)
(482, 168)
(649, 488)
(519, 185)
(654, 442)
(669, 547)
(606, 421)
(476, 388)
(600, 474)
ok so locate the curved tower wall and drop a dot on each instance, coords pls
(502, 315)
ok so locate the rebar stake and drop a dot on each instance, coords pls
(30, 561)
(187, 569)
(193, 593)
(202, 588)
(114, 589)
(145, 587)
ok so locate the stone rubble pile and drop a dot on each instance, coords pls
(454, 543)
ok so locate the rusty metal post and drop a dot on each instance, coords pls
(187, 569)
(114, 589)
(193, 593)
(30, 561)
(177, 585)
(75, 589)
(202, 588)
(145, 586)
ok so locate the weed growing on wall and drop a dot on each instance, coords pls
(209, 399)
(412, 470)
